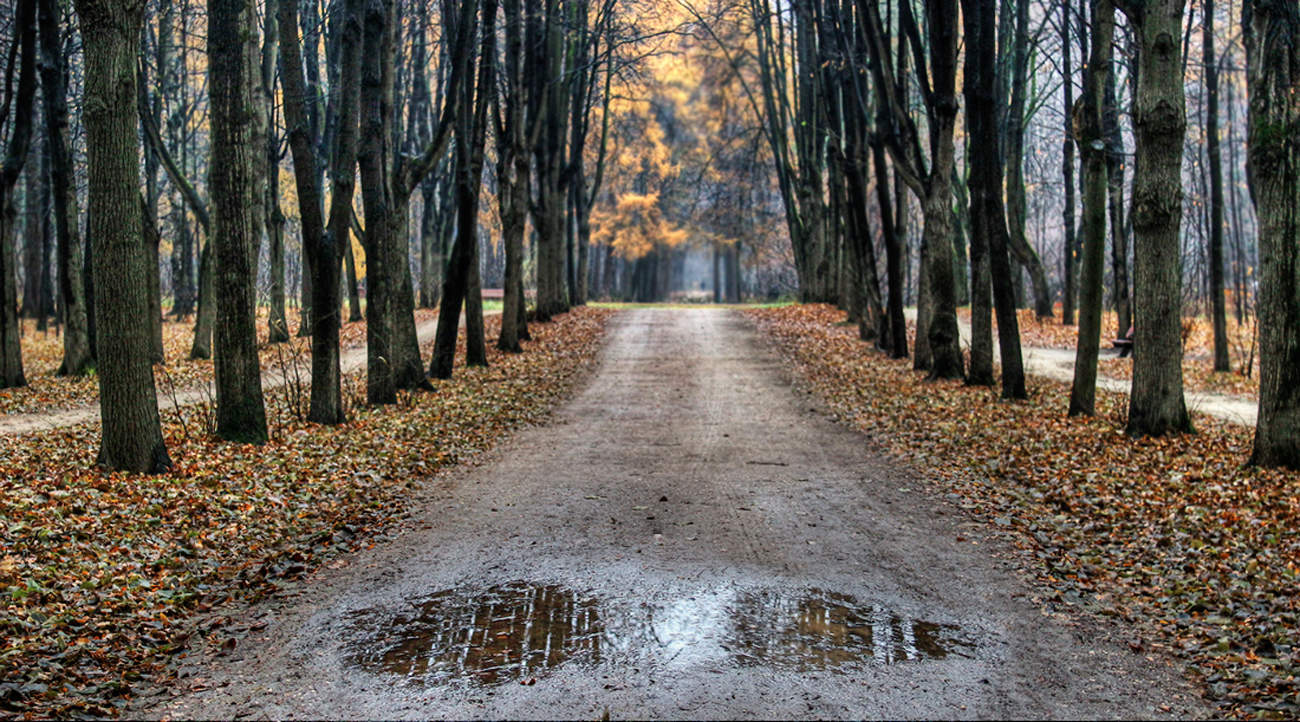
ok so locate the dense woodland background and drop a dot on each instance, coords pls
(312, 162)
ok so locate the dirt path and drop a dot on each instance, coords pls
(350, 359)
(1058, 365)
(686, 539)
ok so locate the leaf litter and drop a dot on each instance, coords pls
(101, 573)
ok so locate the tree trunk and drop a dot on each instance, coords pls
(945, 341)
(1015, 172)
(1218, 305)
(236, 179)
(988, 217)
(206, 317)
(1118, 224)
(128, 403)
(1092, 147)
(277, 322)
(1156, 404)
(11, 167)
(470, 129)
(1272, 34)
(512, 177)
(152, 242)
(1067, 167)
(350, 264)
(475, 337)
(77, 357)
(376, 113)
(897, 321)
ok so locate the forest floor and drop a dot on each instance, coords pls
(104, 575)
(1192, 551)
(49, 401)
(687, 538)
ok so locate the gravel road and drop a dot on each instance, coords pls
(687, 538)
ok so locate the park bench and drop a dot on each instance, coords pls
(1124, 343)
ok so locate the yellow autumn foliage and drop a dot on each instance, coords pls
(635, 226)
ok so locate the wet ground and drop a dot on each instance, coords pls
(688, 538)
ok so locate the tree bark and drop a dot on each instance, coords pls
(1156, 404)
(1092, 147)
(1218, 305)
(236, 178)
(11, 167)
(988, 217)
(128, 403)
(277, 321)
(1067, 167)
(1118, 225)
(512, 176)
(1015, 172)
(1272, 35)
(470, 130)
(77, 357)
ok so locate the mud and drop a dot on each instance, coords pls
(688, 538)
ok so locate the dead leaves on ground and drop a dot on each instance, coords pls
(1173, 536)
(100, 571)
(43, 353)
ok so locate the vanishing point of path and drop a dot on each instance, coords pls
(686, 538)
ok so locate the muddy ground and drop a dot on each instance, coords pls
(689, 537)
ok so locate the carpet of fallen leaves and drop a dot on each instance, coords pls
(1192, 551)
(101, 572)
(43, 352)
(1198, 345)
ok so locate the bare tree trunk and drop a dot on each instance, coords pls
(236, 177)
(1156, 404)
(1218, 304)
(376, 114)
(897, 322)
(512, 177)
(475, 337)
(128, 403)
(988, 216)
(1067, 166)
(1118, 225)
(1015, 172)
(1272, 34)
(354, 293)
(11, 357)
(77, 356)
(471, 128)
(277, 323)
(1092, 146)
(323, 245)
(206, 317)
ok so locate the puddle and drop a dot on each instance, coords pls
(818, 629)
(512, 631)
(519, 630)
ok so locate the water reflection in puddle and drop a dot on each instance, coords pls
(517, 631)
(507, 632)
(818, 629)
